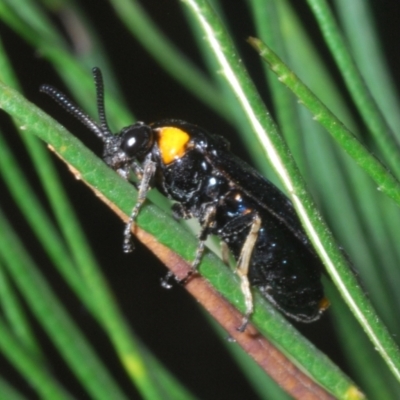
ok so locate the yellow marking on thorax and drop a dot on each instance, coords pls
(172, 143)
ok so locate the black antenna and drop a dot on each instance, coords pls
(98, 80)
(102, 130)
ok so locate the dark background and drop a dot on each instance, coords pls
(168, 321)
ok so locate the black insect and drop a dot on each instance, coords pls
(230, 199)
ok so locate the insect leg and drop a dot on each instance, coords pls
(242, 269)
(209, 218)
(149, 169)
(137, 169)
(208, 221)
(225, 253)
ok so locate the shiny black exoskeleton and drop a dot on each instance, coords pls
(251, 216)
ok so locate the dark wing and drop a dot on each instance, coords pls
(258, 188)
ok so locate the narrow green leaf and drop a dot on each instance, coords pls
(35, 372)
(372, 116)
(54, 319)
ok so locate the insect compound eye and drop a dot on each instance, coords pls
(136, 140)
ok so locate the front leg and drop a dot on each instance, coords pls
(149, 169)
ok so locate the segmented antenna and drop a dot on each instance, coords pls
(98, 80)
(102, 130)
